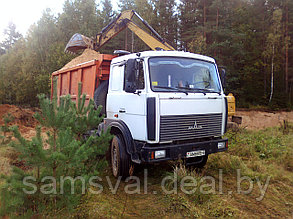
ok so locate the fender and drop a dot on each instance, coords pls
(129, 143)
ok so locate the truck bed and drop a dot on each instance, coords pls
(90, 73)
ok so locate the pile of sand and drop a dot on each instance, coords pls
(22, 117)
(86, 56)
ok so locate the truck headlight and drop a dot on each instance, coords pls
(221, 145)
(160, 154)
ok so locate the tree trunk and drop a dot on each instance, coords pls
(217, 19)
(132, 42)
(54, 165)
(290, 93)
(217, 28)
(204, 18)
(264, 59)
(125, 46)
(286, 46)
(272, 74)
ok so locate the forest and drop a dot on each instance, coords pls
(252, 39)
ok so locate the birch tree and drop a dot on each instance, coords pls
(273, 44)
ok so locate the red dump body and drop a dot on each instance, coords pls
(90, 73)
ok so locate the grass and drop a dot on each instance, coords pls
(7, 154)
(259, 155)
(264, 156)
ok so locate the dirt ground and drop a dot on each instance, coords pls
(22, 117)
(277, 203)
(255, 119)
(251, 119)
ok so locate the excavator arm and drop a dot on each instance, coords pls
(124, 20)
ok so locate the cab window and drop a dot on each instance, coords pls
(139, 76)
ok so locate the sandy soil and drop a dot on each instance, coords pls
(86, 56)
(252, 119)
(255, 119)
(23, 118)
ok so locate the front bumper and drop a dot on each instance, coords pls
(179, 151)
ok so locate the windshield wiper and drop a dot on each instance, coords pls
(203, 90)
(172, 88)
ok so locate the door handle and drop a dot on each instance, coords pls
(122, 111)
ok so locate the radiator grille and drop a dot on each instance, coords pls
(183, 127)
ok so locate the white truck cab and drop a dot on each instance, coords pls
(164, 105)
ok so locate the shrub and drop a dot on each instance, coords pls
(67, 154)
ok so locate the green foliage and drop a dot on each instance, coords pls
(269, 144)
(166, 20)
(255, 152)
(5, 128)
(62, 152)
(239, 34)
(12, 36)
(198, 45)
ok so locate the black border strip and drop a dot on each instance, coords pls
(151, 118)
(226, 114)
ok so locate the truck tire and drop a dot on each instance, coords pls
(197, 162)
(100, 96)
(120, 161)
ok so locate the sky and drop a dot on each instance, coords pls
(24, 13)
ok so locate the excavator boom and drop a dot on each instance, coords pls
(124, 20)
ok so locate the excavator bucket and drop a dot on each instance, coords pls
(79, 42)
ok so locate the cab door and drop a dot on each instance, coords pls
(129, 107)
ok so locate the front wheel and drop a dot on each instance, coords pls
(120, 161)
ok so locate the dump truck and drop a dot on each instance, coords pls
(159, 105)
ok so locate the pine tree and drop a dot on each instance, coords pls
(188, 15)
(62, 152)
(166, 20)
(11, 37)
(5, 128)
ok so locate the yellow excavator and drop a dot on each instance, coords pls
(123, 21)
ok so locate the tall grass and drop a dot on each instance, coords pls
(258, 155)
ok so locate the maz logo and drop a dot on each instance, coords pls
(195, 126)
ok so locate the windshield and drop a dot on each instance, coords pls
(175, 73)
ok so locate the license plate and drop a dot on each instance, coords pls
(196, 153)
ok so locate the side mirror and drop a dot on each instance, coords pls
(130, 75)
(223, 76)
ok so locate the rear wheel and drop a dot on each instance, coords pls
(100, 96)
(120, 161)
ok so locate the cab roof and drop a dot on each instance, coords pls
(148, 54)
